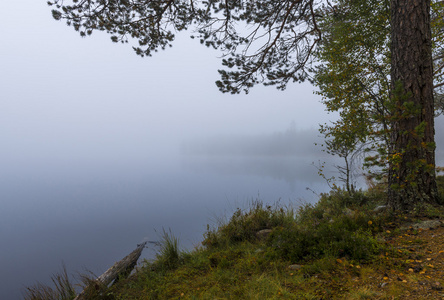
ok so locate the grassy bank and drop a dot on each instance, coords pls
(343, 247)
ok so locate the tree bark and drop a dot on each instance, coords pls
(412, 162)
(120, 268)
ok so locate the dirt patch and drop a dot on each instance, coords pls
(416, 264)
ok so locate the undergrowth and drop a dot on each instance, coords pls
(270, 252)
(233, 262)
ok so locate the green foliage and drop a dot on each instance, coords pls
(234, 264)
(339, 225)
(325, 264)
(243, 225)
(339, 237)
(354, 78)
(329, 228)
(440, 184)
(409, 165)
(322, 239)
(437, 25)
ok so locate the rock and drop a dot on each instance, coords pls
(380, 208)
(263, 234)
(294, 267)
(424, 225)
(349, 212)
(418, 269)
(437, 286)
(429, 224)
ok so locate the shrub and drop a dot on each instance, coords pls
(330, 228)
(244, 225)
(337, 239)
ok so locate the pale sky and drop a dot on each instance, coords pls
(67, 97)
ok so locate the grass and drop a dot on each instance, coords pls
(169, 255)
(338, 248)
(63, 288)
(233, 263)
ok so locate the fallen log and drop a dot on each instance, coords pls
(120, 269)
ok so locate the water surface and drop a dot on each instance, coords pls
(90, 214)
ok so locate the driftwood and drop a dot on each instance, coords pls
(120, 269)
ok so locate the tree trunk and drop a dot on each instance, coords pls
(120, 268)
(412, 163)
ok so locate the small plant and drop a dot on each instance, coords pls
(169, 255)
(323, 265)
(63, 288)
(363, 293)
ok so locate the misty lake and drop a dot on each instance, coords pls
(101, 150)
(90, 214)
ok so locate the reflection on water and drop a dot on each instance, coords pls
(291, 169)
(88, 215)
(288, 156)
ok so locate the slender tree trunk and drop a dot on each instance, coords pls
(121, 268)
(412, 164)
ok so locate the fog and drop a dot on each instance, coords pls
(100, 148)
(69, 98)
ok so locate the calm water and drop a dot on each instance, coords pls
(88, 215)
